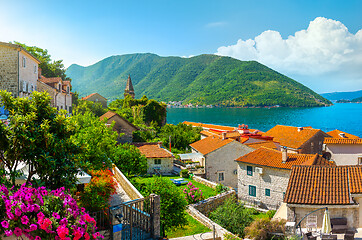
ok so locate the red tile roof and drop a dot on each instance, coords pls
(323, 184)
(273, 158)
(342, 141)
(210, 144)
(153, 150)
(290, 136)
(50, 80)
(90, 95)
(208, 133)
(111, 114)
(266, 144)
(335, 134)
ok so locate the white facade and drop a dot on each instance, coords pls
(345, 154)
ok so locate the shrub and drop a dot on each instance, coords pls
(97, 193)
(271, 213)
(220, 188)
(37, 213)
(192, 193)
(185, 173)
(232, 216)
(261, 228)
(229, 236)
(173, 203)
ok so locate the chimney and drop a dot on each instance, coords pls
(284, 154)
(342, 135)
(300, 129)
(223, 135)
(159, 144)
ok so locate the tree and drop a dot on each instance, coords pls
(129, 160)
(39, 137)
(96, 140)
(94, 107)
(49, 67)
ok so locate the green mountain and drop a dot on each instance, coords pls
(204, 79)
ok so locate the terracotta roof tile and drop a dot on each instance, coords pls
(90, 95)
(210, 144)
(342, 141)
(323, 184)
(267, 144)
(273, 158)
(290, 136)
(208, 133)
(50, 80)
(335, 134)
(153, 150)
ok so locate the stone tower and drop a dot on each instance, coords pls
(129, 88)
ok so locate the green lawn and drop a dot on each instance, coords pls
(206, 191)
(192, 227)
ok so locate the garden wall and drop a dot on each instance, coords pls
(127, 186)
(204, 181)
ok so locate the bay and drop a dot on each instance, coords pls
(343, 116)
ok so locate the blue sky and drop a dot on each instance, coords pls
(314, 42)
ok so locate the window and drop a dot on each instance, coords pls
(221, 176)
(24, 62)
(360, 160)
(249, 170)
(252, 191)
(35, 68)
(283, 195)
(157, 161)
(267, 192)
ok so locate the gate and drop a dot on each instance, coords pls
(132, 220)
(104, 223)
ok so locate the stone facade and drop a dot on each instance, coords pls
(122, 126)
(314, 144)
(95, 97)
(222, 162)
(273, 179)
(296, 212)
(160, 165)
(18, 70)
(42, 87)
(210, 204)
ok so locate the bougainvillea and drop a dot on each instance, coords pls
(96, 194)
(37, 213)
(192, 193)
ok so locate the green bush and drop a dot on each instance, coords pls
(220, 188)
(229, 236)
(232, 216)
(185, 173)
(173, 202)
(261, 228)
(271, 213)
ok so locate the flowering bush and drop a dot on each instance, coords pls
(192, 193)
(37, 213)
(97, 193)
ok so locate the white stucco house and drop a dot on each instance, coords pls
(344, 151)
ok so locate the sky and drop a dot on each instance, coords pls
(318, 43)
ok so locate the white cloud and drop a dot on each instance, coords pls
(325, 47)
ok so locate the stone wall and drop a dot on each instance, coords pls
(274, 179)
(127, 186)
(210, 204)
(9, 69)
(204, 181)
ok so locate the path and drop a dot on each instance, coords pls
(120, 196)
(201, 236)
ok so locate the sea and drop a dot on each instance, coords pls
(346, 117)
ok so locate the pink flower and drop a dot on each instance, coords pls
(56, 215)
(8, 233)
(5, 224)
(10, 215)
(62, 232)
(18, 232)
(37, 238)
(24, 220)
(33, 227)
(17, 212)
(86, 236)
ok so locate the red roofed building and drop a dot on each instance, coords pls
(337, 187)
(343, 151)
(263, 174)
(159, 159)
(97, 98)
(218, 158)
(59, 91)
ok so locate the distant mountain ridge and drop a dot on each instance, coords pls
(333, 96)
(203, 79)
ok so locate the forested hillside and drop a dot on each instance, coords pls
(204, 79)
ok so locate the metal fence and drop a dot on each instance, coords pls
(104, 223)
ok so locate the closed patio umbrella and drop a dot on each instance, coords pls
(326, 228)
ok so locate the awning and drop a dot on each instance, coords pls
(191, 156)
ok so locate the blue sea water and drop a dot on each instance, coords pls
(343, 116)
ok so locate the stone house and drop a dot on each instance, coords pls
(159, 159)
(337, 187)
(306, 140)
(121, 126)
(263, 174)
(218, 158)
(343, 151)
(59, 91)
(18, 70)
(96, 97)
